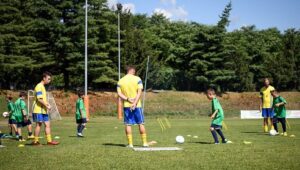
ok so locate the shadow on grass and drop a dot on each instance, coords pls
(114, 144)
(257, 133)
(204, 143)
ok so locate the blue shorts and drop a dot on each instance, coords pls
(133, 117)
(12, 121)
(267, 112)
(38, 117)
(81, 121)
(216, 126)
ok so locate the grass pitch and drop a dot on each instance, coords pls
(103, 147)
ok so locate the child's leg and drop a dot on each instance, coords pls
(221, 134)
(275, 120)
(29, 128)
(82, 126)
(214, 134)
(78, 127)
(283, 124)
(14, 126)
(20, 132)
(37, 131)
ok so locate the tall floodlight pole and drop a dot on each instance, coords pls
(85, 50)
(119, 7)
(86, 98)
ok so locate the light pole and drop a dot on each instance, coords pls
(119, 7)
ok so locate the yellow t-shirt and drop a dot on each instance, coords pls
(267, 99)
(129, 86)
(40, 93)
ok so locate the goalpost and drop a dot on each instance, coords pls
(53, 113)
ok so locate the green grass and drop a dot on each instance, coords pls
(102, 148)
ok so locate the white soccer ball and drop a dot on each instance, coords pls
(5, 114)
(273, 132)
(180, 139)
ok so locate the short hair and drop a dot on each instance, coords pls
(274, 91)
(211, 90)
(130, 67)
(80, 93)
(46, 73)
(9, 97)
(22, 94)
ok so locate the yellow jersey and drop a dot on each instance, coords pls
(40, 93)
(129, 85)
(265, 94)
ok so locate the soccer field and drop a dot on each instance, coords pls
(103, 147)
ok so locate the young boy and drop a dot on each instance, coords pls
(22, 109)
(80, 114)
(217, 117)
(12, 123)
(280, 111)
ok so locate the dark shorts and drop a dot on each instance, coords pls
(133, 117)
(12, 121)
(38, 117)
(216, 126)
(20, 124)
(26, 123)
(81, 121)
(267, 112)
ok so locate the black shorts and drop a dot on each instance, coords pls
(216, 127)
(20, 124)
(12, 121)
(26, 123)
(81, 121)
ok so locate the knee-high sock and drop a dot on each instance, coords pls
(78, 128)
(214, 134)
(283, 123)
(221, 134)
(81, 128)
(144, 138)
(129, 138)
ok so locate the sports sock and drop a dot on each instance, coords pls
(36, 139)
(17, 134)
(78, 128)
(129, 138)
(213, 132)
(81, 128)
(20, 137)
(283, 123)
(144, 138)
(275, 126)
(266, 128)
(29, 133)
(219, 131)
(49, 138)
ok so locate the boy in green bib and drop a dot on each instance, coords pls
(280, 111)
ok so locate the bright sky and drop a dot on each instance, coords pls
(282, 14)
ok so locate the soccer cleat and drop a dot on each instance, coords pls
(217, 143)
(30, 137)
(285, 134)
(53, 143)
(35, 143)
(22, 140)
(145, 145)
(226, 141)
(79, 135)
(129, 146)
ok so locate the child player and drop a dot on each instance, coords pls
(80, 114)
(217, 117)
(22, 108)
(279, 111)
(12, 123)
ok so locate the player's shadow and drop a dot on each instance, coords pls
(202, 142)
(114, 144)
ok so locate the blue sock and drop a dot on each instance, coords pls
(81, 128)
(215, 136)
(221, 134)
(78, 128)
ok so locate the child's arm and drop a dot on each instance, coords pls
(214, 114)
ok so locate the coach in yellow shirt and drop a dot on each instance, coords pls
(266, 103)
(129, 90)
(40, 110)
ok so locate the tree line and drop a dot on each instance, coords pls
(48, 35)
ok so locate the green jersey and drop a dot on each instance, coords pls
(11, 110)
(220, 114)
(80, 109)
(280, 111)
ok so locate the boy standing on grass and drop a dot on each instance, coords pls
(41, 107)
(129, 89)
(217, 117)
(22, 108)
(12, 123)
(80, 114)
(280, 111)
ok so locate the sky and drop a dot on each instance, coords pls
(264, 14)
